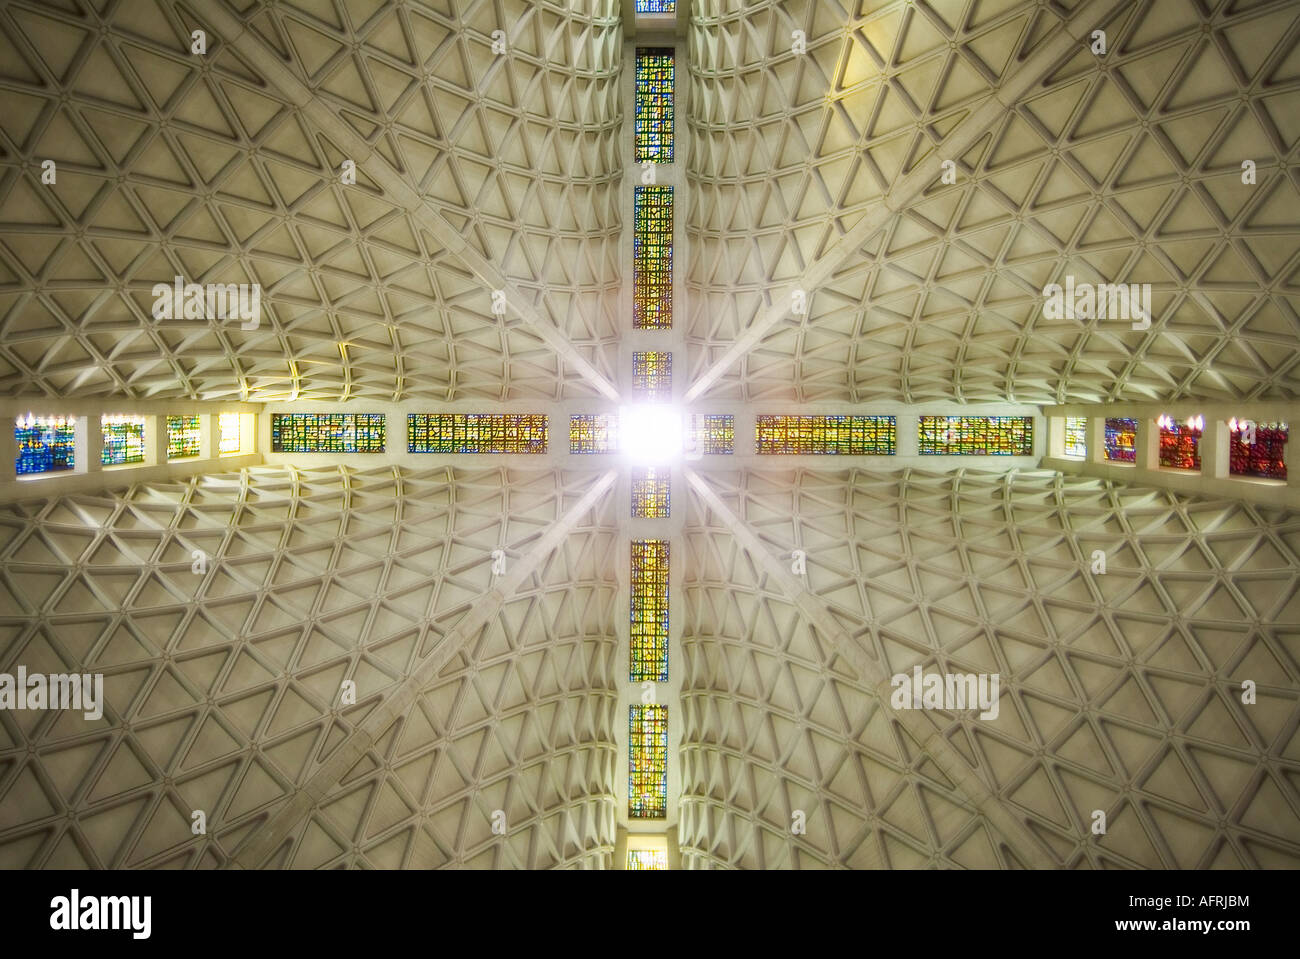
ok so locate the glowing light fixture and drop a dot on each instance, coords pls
(651, 434)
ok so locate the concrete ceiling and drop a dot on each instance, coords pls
(818, 172)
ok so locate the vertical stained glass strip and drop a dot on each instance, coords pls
(593, 433)
(647, 768)
(650, 493)
(1265, 457)
(652, 376)
(1180, 447)
(1076, 436)
(649, 631)
(123, 440)
(183, 437)
(825, 435)
(477, 432)
(712, 433)
(976, 435)
(653, 124)
(327, 432)
(647, 859)
(652, 258)
(45, 444)
(228, 438)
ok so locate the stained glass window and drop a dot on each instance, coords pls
(1265, 457)
(476, 432)
(712, 433)
(652, 376)
(649, 610)
(1121, 439)
(652, 258)
(1076, 436)
(647, 859)
(647, 768)
(825, 435)
(976, 435)
(228, 438)
(1180, 446)
(183, 437)
(123, 440)
(656, 6)
(593, 433)
(46, 444)
(653, 125)
(327, 432)
(650, 493)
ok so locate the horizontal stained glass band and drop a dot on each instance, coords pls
(652, 258)
(1121, 439)
(1264, 457)
(593, 433)
(712, 433)
(649, 619)
(123, 440)
(976, 435)
(647, 772)
(476, 432)
(826, 435)
(647, 859)
(45, 444)
(183, 437)
(1180, 447)
(327, 432)
(1076, 436)
(652, 134)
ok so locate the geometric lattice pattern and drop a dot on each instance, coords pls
(1098, 169)
(222, 689)
(649, 611)
(647, 775)
(827, 435)
(328, 432)
(976, 435)
(1120, 692)
(652, 258)
(476, 432)
(653, 124)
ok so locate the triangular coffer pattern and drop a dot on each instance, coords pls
(223, 689)
(1123, 168)
(173, 164)
(1120, 692)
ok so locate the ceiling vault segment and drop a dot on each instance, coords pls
(347, 754)
(965, 780)
(1045, 61)
(397, 188)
